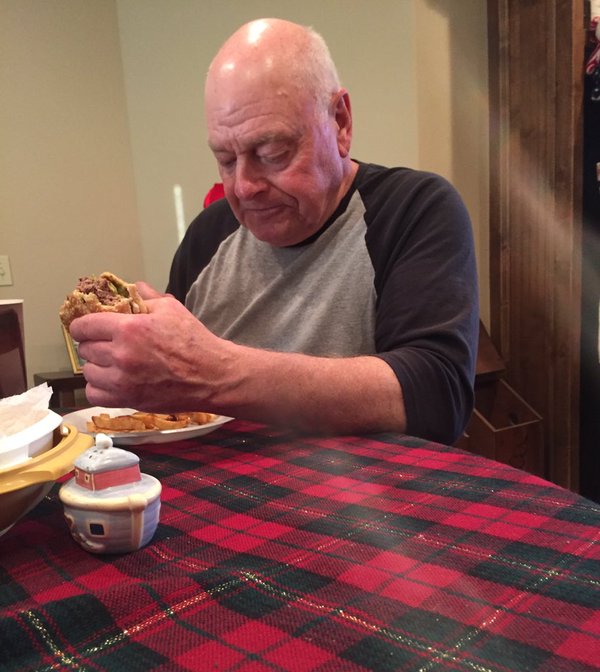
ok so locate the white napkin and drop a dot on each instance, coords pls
(23, 410)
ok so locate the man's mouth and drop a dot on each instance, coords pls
(263, 210)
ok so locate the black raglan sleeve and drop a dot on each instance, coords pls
(427, 317)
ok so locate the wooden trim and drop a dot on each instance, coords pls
(536, 69)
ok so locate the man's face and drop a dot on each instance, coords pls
(278, 158)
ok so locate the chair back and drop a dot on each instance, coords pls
(13, 374)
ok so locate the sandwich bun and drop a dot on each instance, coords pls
(104, 293)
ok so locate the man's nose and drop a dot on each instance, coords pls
(248, 180)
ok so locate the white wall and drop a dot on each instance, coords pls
(102, 114)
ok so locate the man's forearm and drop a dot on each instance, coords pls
(324, 394)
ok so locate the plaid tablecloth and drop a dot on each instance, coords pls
(278, 552)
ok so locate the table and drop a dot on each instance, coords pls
(284, 552)
(64, 384)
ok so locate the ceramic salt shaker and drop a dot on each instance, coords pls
(109, 505)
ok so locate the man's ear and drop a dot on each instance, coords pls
(342, 114)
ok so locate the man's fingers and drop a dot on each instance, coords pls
(147, 291)
(99, 352)
(95, 326)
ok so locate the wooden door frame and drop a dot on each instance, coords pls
(536, 56)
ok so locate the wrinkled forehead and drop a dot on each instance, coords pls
(247, 125)
(228, 85)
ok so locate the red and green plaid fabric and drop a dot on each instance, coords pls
(285, 553)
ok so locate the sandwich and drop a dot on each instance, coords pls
(99, 294)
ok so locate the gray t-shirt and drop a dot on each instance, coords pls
(318, 299)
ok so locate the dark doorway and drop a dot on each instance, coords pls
(590, 314)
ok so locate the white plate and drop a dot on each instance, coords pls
(80, 418)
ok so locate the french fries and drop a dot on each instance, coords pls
(146, 422)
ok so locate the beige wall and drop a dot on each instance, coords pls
(67, 195)
(104, 117)
(453, 110)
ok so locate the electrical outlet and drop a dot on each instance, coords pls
(5, 274)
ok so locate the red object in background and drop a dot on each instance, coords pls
(214, 194)
(593, 60)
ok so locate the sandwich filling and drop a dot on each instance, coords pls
(103, 293)
(107, 292)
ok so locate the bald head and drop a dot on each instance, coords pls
(280, 128)
(279, 54)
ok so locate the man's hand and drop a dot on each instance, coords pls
(161, 360)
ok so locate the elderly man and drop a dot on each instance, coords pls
(322, 293)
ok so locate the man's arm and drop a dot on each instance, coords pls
(420, 239)
(168, 361)
(341, 395)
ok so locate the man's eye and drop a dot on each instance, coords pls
(279, 157)
(226, 162)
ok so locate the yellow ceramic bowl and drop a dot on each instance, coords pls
(24, 485)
